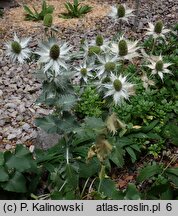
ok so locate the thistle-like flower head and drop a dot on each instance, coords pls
(18, 49)
(53, 56)
(107, 64)
(119, 88)
(84, 71)
(121, 12)
(157, 30)
(158, 66)
(125, 49)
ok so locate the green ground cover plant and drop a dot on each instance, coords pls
(75, 10)
(115, 107)
(35, 15)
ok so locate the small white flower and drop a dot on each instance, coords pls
(122, 12)
(53, 55)
(158, 66)
(146, 81)
(84, 71)
(125, 49)
(119, 88)
(107, 64)
(158, 30)
(17, 49)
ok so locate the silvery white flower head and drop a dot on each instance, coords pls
(83, 71)
(119, 89)
(121, 12)
(125, 49)
(158, 66)
(17, 49)
(157, 30)
(107, 64)
(53, 55)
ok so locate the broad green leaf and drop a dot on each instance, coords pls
(89, 169)
(173, 171)
(47, 123)
(132, 154)
(149, 171)
(117, 156)
(148, 128)
(16, 183)
(21, 160)
(132, 193)
(66, 101)
(72, 175)
(3, 175)
(108, 188)
(172, 174)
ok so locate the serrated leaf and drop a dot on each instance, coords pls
(16, 183)
(3, 175)
(47, 123)
(21, 160)
(66, 101)
(149, 171)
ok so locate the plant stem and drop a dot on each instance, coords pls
(137, 7)
(83, 190)
(153, 45)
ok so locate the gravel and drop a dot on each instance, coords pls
(19, 88)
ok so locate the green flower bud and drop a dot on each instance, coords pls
(109, 66)
(117, 85)
(121, 11)
(54, 52)
(16, 47)
(99, 40)
(94, 50)
(158, 27)
(159, 65)
(83, 71)
(48, 20)
(123, 49)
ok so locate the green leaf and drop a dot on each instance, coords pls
(21, 160)
(72, 176)
(89, 169)
(3, 175)
(172, 174)
(108, 187)
(149, 171)
(47, 123)
(131, 152)
(132, 193)
(117, 156)
(148, 128)
(16, 183)
(27, 9)
(66, 101)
